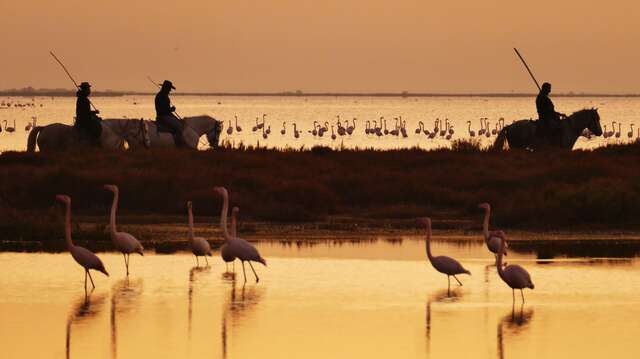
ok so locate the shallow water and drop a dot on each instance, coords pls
(305, 110)
(333, 299)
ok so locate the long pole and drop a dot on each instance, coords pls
(70, 77)
(527, 67)
(159, 86)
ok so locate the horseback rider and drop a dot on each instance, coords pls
(164, 113)
(549, 121)
(87, 121)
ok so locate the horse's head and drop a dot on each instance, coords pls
(594, 123)
(213, 135)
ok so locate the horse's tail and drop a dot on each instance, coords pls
(33, 136)
(498, 144)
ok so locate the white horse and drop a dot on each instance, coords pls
(58, 136)
(194, 128)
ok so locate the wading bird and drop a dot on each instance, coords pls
(492, 241)
(296, 133)
(240, 248)
(284, 129)
(514, 275)
(230, 129)
(443, 264)
(10, 129)
(238, 128)
(125, 243)
(471, 132)
(225, 251)
(82, 256)
(199, 245)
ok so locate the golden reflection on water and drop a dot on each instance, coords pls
(319, 301)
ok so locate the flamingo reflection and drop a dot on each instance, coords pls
(84, 309)
(441, 296)
(515, 323)
(192, 278)
(237, 308)
(123, 297)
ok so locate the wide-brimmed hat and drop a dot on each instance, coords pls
(168, 83)
(85, 85)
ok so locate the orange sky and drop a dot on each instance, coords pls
(329, 45)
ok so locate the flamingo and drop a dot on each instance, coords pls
(31, 125)
(10, 129)
(264, 118)
(230, 129)
(443, 264)
(268, 129)
(333, 134)
(395, 131)
(451, 131)
(630, 133)
(420, 126)
(403, 128)
(124, 242)
(240, 248)
(471, 132)
(386, 131)
(225, 251)
(351, 128)
(513, 275)
(199, 245)
(264, 134)
(255, 128)
(605, 133)
(493, 242)
(82, 256)
(487, 132)
(366, 130)
(238, 128)
(619, 130)
(296, 133)
(314, 132)
(613, 129)
(481, 130)
(284, 128)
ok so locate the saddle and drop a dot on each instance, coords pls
(160, 127)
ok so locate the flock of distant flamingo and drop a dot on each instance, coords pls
(234, 247)
(442, 129)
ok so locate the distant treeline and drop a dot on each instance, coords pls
(33, 92)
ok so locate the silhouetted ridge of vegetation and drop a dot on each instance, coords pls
(546, 190)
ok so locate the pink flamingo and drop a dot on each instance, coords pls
(514, 275)
(492, 241)
(82, 256)
(225, 251)
(240, 248)
(443, 264)
(199, 245)
(124, 242)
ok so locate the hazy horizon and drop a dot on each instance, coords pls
(359, 47)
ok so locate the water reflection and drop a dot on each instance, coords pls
(192, 279)
(124, 298)
(516, 323)
(441, 296)
(83, 310)
(238, 307)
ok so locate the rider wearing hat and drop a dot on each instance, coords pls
(164, 112)
(549, 121)
(87, 120)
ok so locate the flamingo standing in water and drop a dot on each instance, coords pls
(514, 275)
(351, 128)
(82, 256)
(240, 248)
(492, 241)
(199, 245)
(124, 242)
(284, 128)
(471, 132)
(225, 251)
(443, 264)
(229, 129)
(296, 133)
(238, 128)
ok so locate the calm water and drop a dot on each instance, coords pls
(304, 111)
(374, 299)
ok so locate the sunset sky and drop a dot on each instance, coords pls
(330, 45)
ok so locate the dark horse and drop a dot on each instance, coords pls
(522, 134)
